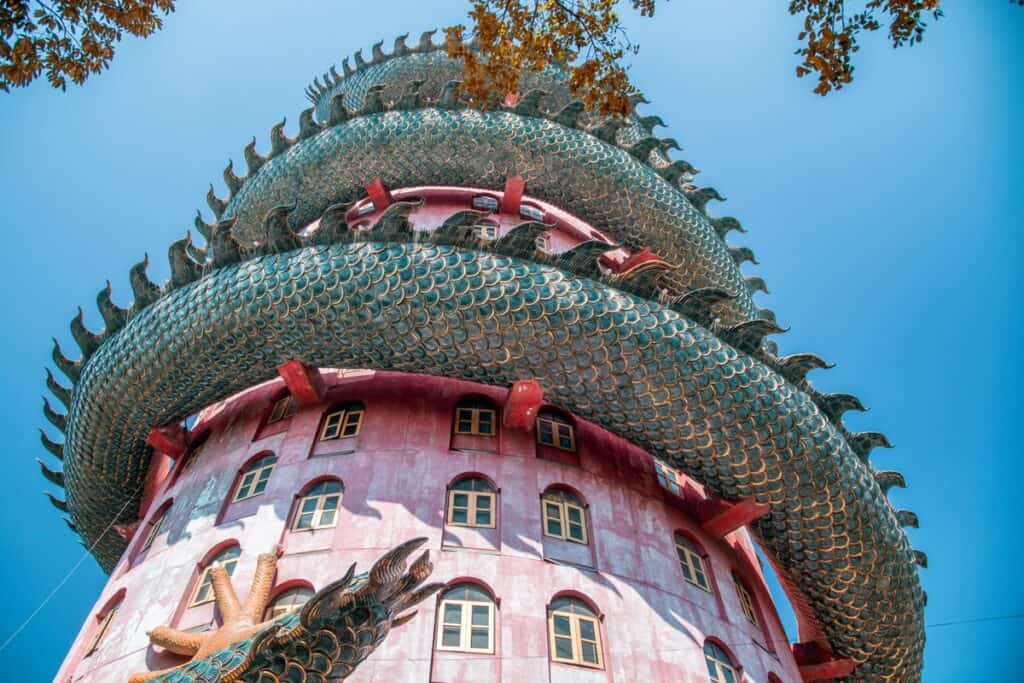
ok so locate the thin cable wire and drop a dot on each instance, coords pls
(67, 576)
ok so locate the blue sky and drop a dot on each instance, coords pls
(886, 220)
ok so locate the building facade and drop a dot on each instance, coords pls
(565, 392)
(527, 530)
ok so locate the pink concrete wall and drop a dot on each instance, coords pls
(395, 477)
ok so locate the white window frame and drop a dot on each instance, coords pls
(576, 638)
(473, 508)
(284, 407)
(474, 420)
(557, 427)
(746, 601)
(249, 479)
(691, 562)
(465, 625)
(319, 510)
(338, 422)
(557, 499)
(205, 580)
(275, 611)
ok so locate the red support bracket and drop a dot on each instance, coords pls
(304, 383)
(818, 663)
(379, 195)
(513, 196)
(731, 516)
(170, 440)
(522, 405)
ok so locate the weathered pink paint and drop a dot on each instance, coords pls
(396, 474)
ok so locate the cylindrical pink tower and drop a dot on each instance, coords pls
(569, 555)
(568, 399)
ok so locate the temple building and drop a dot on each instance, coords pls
(451, 394)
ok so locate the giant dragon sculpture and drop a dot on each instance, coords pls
(673, 358)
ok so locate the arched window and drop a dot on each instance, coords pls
(284, 407)
(227, 558)
(342, 422)
(556, 431)
(318, 507)
(720, 666)
(252, 481)
(746, 600)
(466, 622)
(565, 517)
(287, 602)
(692, 562)
(103, 626)
(472, 502)
(575, 635)
(476, 417)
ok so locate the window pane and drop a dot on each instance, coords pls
(483, 517)
(554, 527)
(686, 569)
(460, 516)
(561, 624)
(545, 434)
(728, 676)
(305, 521)
(309, 504)
(589, 651)
(480, 639)
(587, 629)
(483, 502)
(563, 648)
(331, 503)
(574, 514)
(481, 615)
(576, 532)
(327, 518)
(451, 636)
(460, 500)
(452, 613)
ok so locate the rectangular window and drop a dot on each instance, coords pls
(553, 433)
(466, 626)
(477, 421)
(574, 639)
(471, 508)
(253, 482)
(342, 424)
(565, 521)
(746, 603)
(283, 407)
(317, 512)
